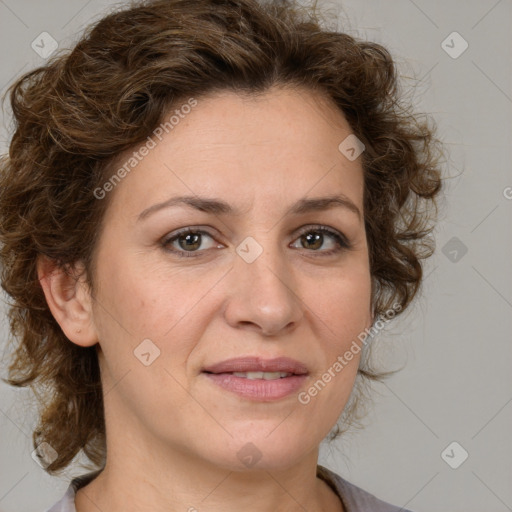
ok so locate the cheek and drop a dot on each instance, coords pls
(127, 303)
(343, 302)
(137, 317)
(134, 307)
(134, 298)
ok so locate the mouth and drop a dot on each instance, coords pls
(258, 379)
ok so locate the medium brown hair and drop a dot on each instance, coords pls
(86, 106)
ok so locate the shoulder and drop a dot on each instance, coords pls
(67, 502)
(354, 498)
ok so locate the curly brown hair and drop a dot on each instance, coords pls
(85, 106)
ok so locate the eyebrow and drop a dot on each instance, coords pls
(217, 206)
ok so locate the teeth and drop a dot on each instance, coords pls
(261, 375)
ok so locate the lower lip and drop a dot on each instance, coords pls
(258, 389)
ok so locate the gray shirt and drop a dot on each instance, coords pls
(354, 499)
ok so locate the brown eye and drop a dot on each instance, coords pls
(187, 242)
(312, 241)
(314, 237)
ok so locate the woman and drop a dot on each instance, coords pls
(206, 208)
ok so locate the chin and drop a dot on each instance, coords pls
(263, 452)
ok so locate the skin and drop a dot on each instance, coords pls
(172, 435)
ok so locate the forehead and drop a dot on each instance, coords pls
(280, 143)
(282, 117)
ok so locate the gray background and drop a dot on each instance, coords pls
(456, 385)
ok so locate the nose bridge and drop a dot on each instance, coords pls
(264, 291)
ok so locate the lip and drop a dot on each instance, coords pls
(260, 390)
(257, 364)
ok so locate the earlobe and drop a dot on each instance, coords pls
(69, 299)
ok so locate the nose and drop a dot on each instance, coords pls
(263, 295)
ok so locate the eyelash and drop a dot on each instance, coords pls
(341, 241)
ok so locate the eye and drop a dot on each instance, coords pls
(313, 238)
(187, 242)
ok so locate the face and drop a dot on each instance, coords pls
(259, 274)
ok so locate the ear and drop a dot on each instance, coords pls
(69, 299)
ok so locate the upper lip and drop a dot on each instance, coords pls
(257, 364)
